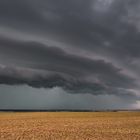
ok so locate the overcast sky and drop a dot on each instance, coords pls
(69, 54)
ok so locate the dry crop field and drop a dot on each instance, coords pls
(70, 126)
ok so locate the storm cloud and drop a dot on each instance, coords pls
(82, 47)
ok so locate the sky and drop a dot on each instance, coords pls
(69, 54)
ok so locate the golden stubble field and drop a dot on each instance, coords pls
(70, 126)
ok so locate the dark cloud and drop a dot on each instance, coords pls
(40, 57)
(81, 46)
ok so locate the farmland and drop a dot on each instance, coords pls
(70, 126)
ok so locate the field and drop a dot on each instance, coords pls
(70, 126)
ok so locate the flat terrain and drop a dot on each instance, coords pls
(70, 126)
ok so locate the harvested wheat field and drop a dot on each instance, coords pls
(70, 126)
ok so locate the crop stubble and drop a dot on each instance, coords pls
(70, 126)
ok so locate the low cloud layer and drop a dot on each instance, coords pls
(48, 67)
(88, 47)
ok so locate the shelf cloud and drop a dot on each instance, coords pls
(83, 47)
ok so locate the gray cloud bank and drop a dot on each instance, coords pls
(49, 67)
(80, 46)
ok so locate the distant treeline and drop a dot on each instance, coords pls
(59, 110)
